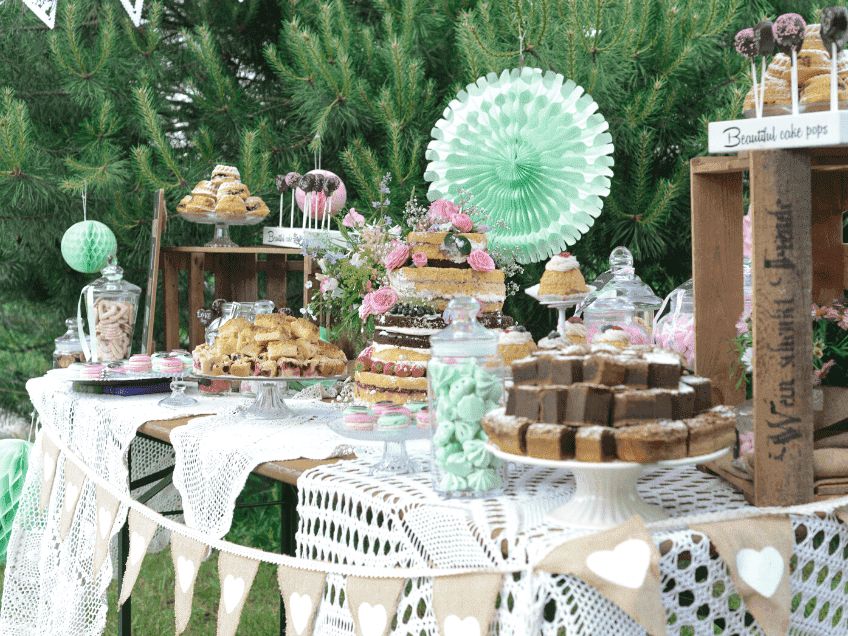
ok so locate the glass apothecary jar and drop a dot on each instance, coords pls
(675, 330)
(68, 348)
(112, 306)
(223, 311)
(465, 377)
(613, 321)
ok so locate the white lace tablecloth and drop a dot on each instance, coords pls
(347, 516)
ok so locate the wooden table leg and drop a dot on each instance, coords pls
(717, 276)
(196, 301)
(783, 368)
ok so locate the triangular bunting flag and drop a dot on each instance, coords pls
(464, 604)
(236, 574)
(842, 514)
(74, 483)
(141, 531)
(301, 591)
(44, 9)
(622, 564)
(187, 554)
(107, 510)
(372, 603)
(757, 552)
(133, 9)
(49, 460)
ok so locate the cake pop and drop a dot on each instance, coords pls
(834, 33)
(764, 37)
(746, 45)
(788, 32)
(290, 182)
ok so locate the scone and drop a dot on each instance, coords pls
(200, 205)
(256, 207)
(181, 206)
(230, 206)
(233, 188)
(222, 174)
(817, 91)
(777, 94)
(204, 189)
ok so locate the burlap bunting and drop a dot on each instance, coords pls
(464, 604)
(372, 603)
(301, 591)
(757, 552)
(74, 483)
(107, 509)
(622, 564)
(187, 555)
(49, 459)
(141, 531)
(236, 574)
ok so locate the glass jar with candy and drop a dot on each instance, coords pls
(465, 377)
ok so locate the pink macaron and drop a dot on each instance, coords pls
(171, 366)
(139, 363)
(91, 370)
(359, 418)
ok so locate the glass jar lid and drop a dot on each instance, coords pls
(622, 282)
(69, 341)
(464, 337)
(112, 279)
(613, 309)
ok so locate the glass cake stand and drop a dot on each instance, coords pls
(222, 224)
(605, 493)
(560, 303)
(395, 459)
(269, 403)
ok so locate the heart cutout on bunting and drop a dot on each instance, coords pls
(49, 466)
(300, 610)
(185, 573)
(761, 569)
(625, 565)
(138, 547)
(372, 619)
(456, 626)
(233, 592)
(104, 522)
(71, 496)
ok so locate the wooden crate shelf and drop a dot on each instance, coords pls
(797, 200)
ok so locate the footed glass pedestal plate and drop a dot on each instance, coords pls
(605, 493)
(559, 303)
(395, 459)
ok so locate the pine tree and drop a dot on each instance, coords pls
(268, 86)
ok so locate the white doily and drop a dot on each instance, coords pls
(49, 587)
(215, 455)
(348, 517)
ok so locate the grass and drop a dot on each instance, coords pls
(153, 595)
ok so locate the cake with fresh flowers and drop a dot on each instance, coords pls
(445, 256)
(562, 277)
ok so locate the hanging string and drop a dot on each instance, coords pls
(316, 153)
(84, 201)
(520, 47)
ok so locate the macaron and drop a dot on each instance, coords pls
(359, 418)
(91, 370)
(384, 407)
(171, 366)
(393, 421)
(139, 363)
(423, 420)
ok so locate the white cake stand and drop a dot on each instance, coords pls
(605, 493)
(560, 303)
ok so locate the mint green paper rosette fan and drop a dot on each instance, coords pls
(14, 460)
(533, 153)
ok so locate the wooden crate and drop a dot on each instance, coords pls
(797, 198)
(235, 271)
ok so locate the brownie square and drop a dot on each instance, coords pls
(651, 442)
(566, 370)
(550, 441)
(594, 444)
(553, 401)
(588, 404)
(524, 371)
(683, 402)
(527, 401)
(636, 373)
(507, 432)
(510, 400)
(703, 391)
(664, 370)
(604, 369)
(544, 367)
(633, 405)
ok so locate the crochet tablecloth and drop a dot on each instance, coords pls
(347, 516)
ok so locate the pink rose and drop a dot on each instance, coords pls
(462, 222)
(383, 299)
(329, 284)
(441, 211)
(480, 261)
(746, 443)
(419, 259)
(366, 309)
(747, 236)
(397, 257)
(353, 219)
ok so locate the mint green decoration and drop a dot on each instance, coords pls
(532, 152)
(14, 459)
(86, 246)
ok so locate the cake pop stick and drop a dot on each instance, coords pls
(331, 184)
(317, 186)
(746, 45)
(305, 183)
(764, 37)
(834, 34)
(788, 32)
(292, 179)
(282, 187)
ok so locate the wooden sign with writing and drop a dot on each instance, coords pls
(807, 130)
(783, 370)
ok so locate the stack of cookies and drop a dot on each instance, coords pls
(274, 345)
(634, 406)
(223, 197)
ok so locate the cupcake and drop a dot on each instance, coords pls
(562, 277)
(613, 336)
(515, 343)
(552, 341)
(575, 332)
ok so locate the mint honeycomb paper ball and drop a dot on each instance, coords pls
(14, 461)
(530, 149)
(86, 246)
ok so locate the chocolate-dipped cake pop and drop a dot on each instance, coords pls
(746, 44)
(318, 182)
(834, 28)
(292, 179)
(764, 36)
(306, 183)
(331, 184)
(280, 182)
(788, 32)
